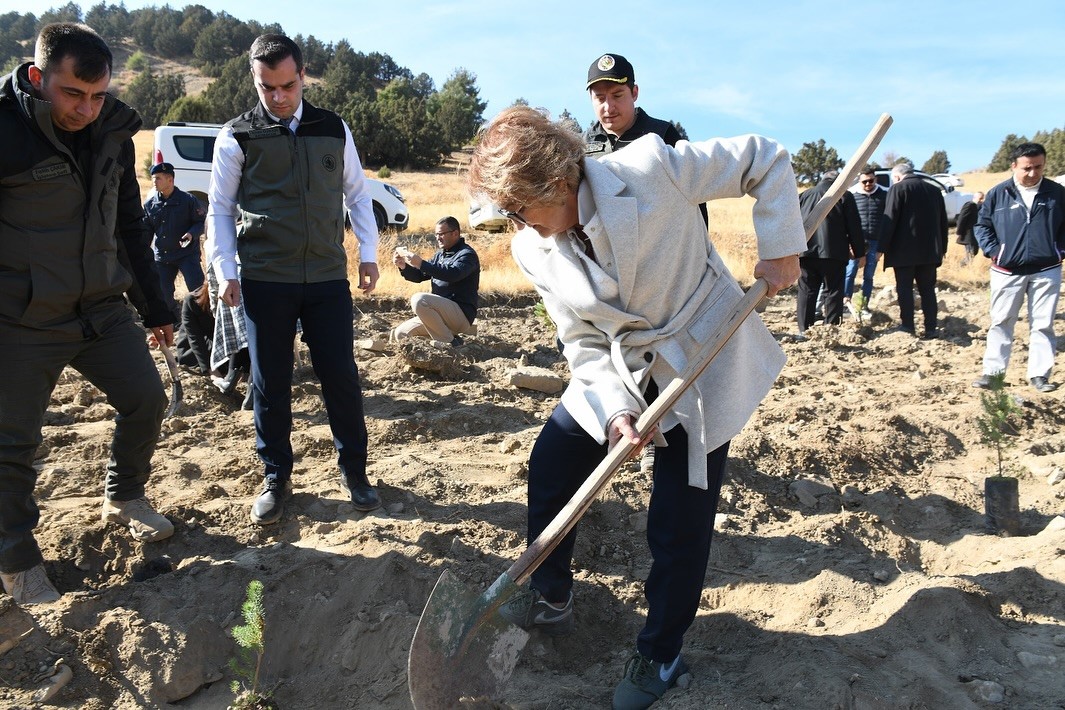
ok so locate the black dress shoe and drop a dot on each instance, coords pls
(1043, 385)
(270, 505)
(248, 404)
(363, 497)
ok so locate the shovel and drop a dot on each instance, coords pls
(176, 395)
(462, 651)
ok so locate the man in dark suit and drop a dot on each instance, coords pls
(966, 221)
(837, 239)
(913, 240)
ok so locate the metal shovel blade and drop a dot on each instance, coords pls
(176, 394)
(462, 652)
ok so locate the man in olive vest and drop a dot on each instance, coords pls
(287, 170)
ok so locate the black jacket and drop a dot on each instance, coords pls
(871, 211)
(598, 142)
(1019, 241)
(67, 213)
(966, 221)
(914, 229)
(840, 233)
(455, 274)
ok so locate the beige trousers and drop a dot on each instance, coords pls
(435, 317)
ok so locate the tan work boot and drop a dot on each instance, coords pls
(30, 586)
(144, 523)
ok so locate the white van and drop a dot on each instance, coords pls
(189, 147)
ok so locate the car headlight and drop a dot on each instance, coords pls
(395, 193)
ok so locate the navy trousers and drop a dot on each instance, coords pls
(190, 269)
(680, 524)
(114, 357)
(325, 310)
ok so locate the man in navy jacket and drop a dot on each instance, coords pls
(451, 306)
(176, 219)
(1021, 228)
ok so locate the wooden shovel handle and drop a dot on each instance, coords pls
(850, 171)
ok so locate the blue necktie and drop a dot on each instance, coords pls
(286, 122)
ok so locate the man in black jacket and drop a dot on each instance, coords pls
(1021, 228)
(913, 240)
(966, 221)
(611, 84)
(837, 239)
(450, 307)
(870, 201)
(71, 202)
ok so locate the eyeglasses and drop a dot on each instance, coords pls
(868, 182)
(513, 216)
(440, 234)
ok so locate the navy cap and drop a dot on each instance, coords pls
(162, 168)
(611, 67)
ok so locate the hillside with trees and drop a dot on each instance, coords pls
(191, 65)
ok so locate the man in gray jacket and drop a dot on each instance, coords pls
(72, 233)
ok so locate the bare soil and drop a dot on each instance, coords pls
(878, 588)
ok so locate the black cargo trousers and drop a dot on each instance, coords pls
(110, 350)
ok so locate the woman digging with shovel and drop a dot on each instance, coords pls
(619, 252)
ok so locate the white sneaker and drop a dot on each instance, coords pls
(144, 523)
(30, 586)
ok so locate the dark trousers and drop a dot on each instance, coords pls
(325, 310)
(680, 524)
(190, 269)
(815, 272)
(116, 360)
(924, 275)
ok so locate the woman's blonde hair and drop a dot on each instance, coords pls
(524, 158)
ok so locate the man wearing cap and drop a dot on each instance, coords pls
(176, 218)
(613, 90)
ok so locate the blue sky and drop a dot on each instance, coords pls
(955, 76)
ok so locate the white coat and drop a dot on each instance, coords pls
(657, 288)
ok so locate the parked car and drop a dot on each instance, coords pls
(952, 199)
(189, 147)
(487, 217)
(949, 179)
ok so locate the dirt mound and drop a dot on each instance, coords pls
(851, 567)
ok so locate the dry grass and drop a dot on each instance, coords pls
(434, 194)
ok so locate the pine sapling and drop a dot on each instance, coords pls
(859, 302)
(249, 637)
(996, 423)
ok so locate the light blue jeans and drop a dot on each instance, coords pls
(871, 257)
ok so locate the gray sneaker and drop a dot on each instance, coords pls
(529, 610)
(646, 681)
(30, 586)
